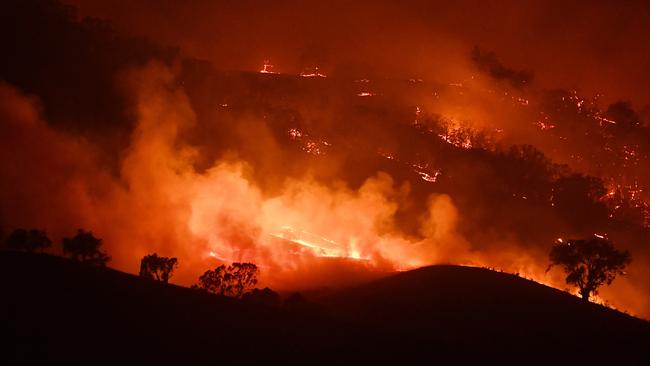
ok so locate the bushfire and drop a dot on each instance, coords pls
(374, 149)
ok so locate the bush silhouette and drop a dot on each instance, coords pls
(85, 247)
(589, 263)
(265, 296)
(157, 268)
(233, 280)
(28, 240)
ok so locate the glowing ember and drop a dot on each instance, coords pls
(544, 125)
(386, 155)
(465, 143)
(422, 170)
(520, 100)
(602, 119)
(308, 144)
(294, 133)
(267, 68)
(313, 73)
(430, 178)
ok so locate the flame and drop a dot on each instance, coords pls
(308, 144)
(313, 73)
(366, 94)
(267, 68)
(318, 245)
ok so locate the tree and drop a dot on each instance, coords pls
(589, 263)
(28, 240)
(85, 247)
(157, 268)
(233, 280)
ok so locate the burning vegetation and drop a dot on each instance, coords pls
(317, 175)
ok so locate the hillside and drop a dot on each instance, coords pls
(476, 309)
(56, 310)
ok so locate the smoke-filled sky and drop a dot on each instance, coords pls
(594, 46)
(469, 132)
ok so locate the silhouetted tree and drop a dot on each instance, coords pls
(157, 268)
(233, 280)
(589, 263)
(265, 296)
(85, 247)
(28, 240)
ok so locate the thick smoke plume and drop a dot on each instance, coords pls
(160, 203)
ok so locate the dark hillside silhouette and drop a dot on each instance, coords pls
(55, 310)
(479, 310)
(58, 310)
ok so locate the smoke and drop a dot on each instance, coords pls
(488, 62)
(569, 45)
(223, 213)
(161, 203)
(49, 179)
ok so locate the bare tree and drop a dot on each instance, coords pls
(589, 263)
(157, 268)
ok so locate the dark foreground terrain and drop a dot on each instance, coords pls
(54, 310)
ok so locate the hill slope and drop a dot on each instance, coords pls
(56, 310)
(477, 309)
